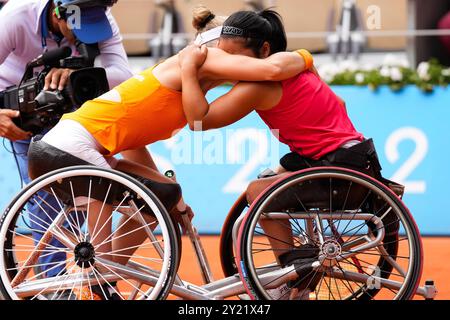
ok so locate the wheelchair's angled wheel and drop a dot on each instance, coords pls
(227, 252)
(350, 238)
(136, 257)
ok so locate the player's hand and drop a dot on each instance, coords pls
(7, 127)
(193, 56)
(178, 217)
(57, 79)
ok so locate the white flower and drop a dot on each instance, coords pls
(423, 71)
(328, 71)
(396, 74)
(360, 78)
(348, 65)
(385, 72)
(446, 72)
(368, 67)
(390, 61)
(404, 63)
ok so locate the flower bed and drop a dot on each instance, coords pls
(395, 73)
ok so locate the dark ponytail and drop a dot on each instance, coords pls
(278, 41)
(257, 28)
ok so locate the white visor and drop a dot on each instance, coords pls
(208, 36)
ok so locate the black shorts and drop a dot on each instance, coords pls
(361, 157)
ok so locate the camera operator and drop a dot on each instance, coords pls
(29, 28)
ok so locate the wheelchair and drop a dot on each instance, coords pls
(350, 238)
(353, 238)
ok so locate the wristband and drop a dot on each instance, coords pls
(309, 60)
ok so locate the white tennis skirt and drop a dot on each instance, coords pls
(71, 137)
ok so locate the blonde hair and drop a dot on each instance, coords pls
(203, 19)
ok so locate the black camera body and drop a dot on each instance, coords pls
(40, 109)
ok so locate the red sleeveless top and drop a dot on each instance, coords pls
(310, 118)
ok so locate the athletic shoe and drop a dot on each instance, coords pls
(302, 259)
(285, 292)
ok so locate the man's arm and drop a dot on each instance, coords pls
(114, 58)
(7, 38)
(7, 45)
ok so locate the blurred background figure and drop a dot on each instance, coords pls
(347, 37)
(444, 24)
(170, 38)
(430, 18)
(256, 5)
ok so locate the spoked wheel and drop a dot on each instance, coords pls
(330, 234)
(103, 236)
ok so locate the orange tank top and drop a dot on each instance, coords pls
(135, 114)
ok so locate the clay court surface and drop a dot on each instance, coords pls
(436, 265)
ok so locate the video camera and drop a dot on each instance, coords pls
(40, 109)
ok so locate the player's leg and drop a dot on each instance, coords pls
(279, 233)
(130, 234)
